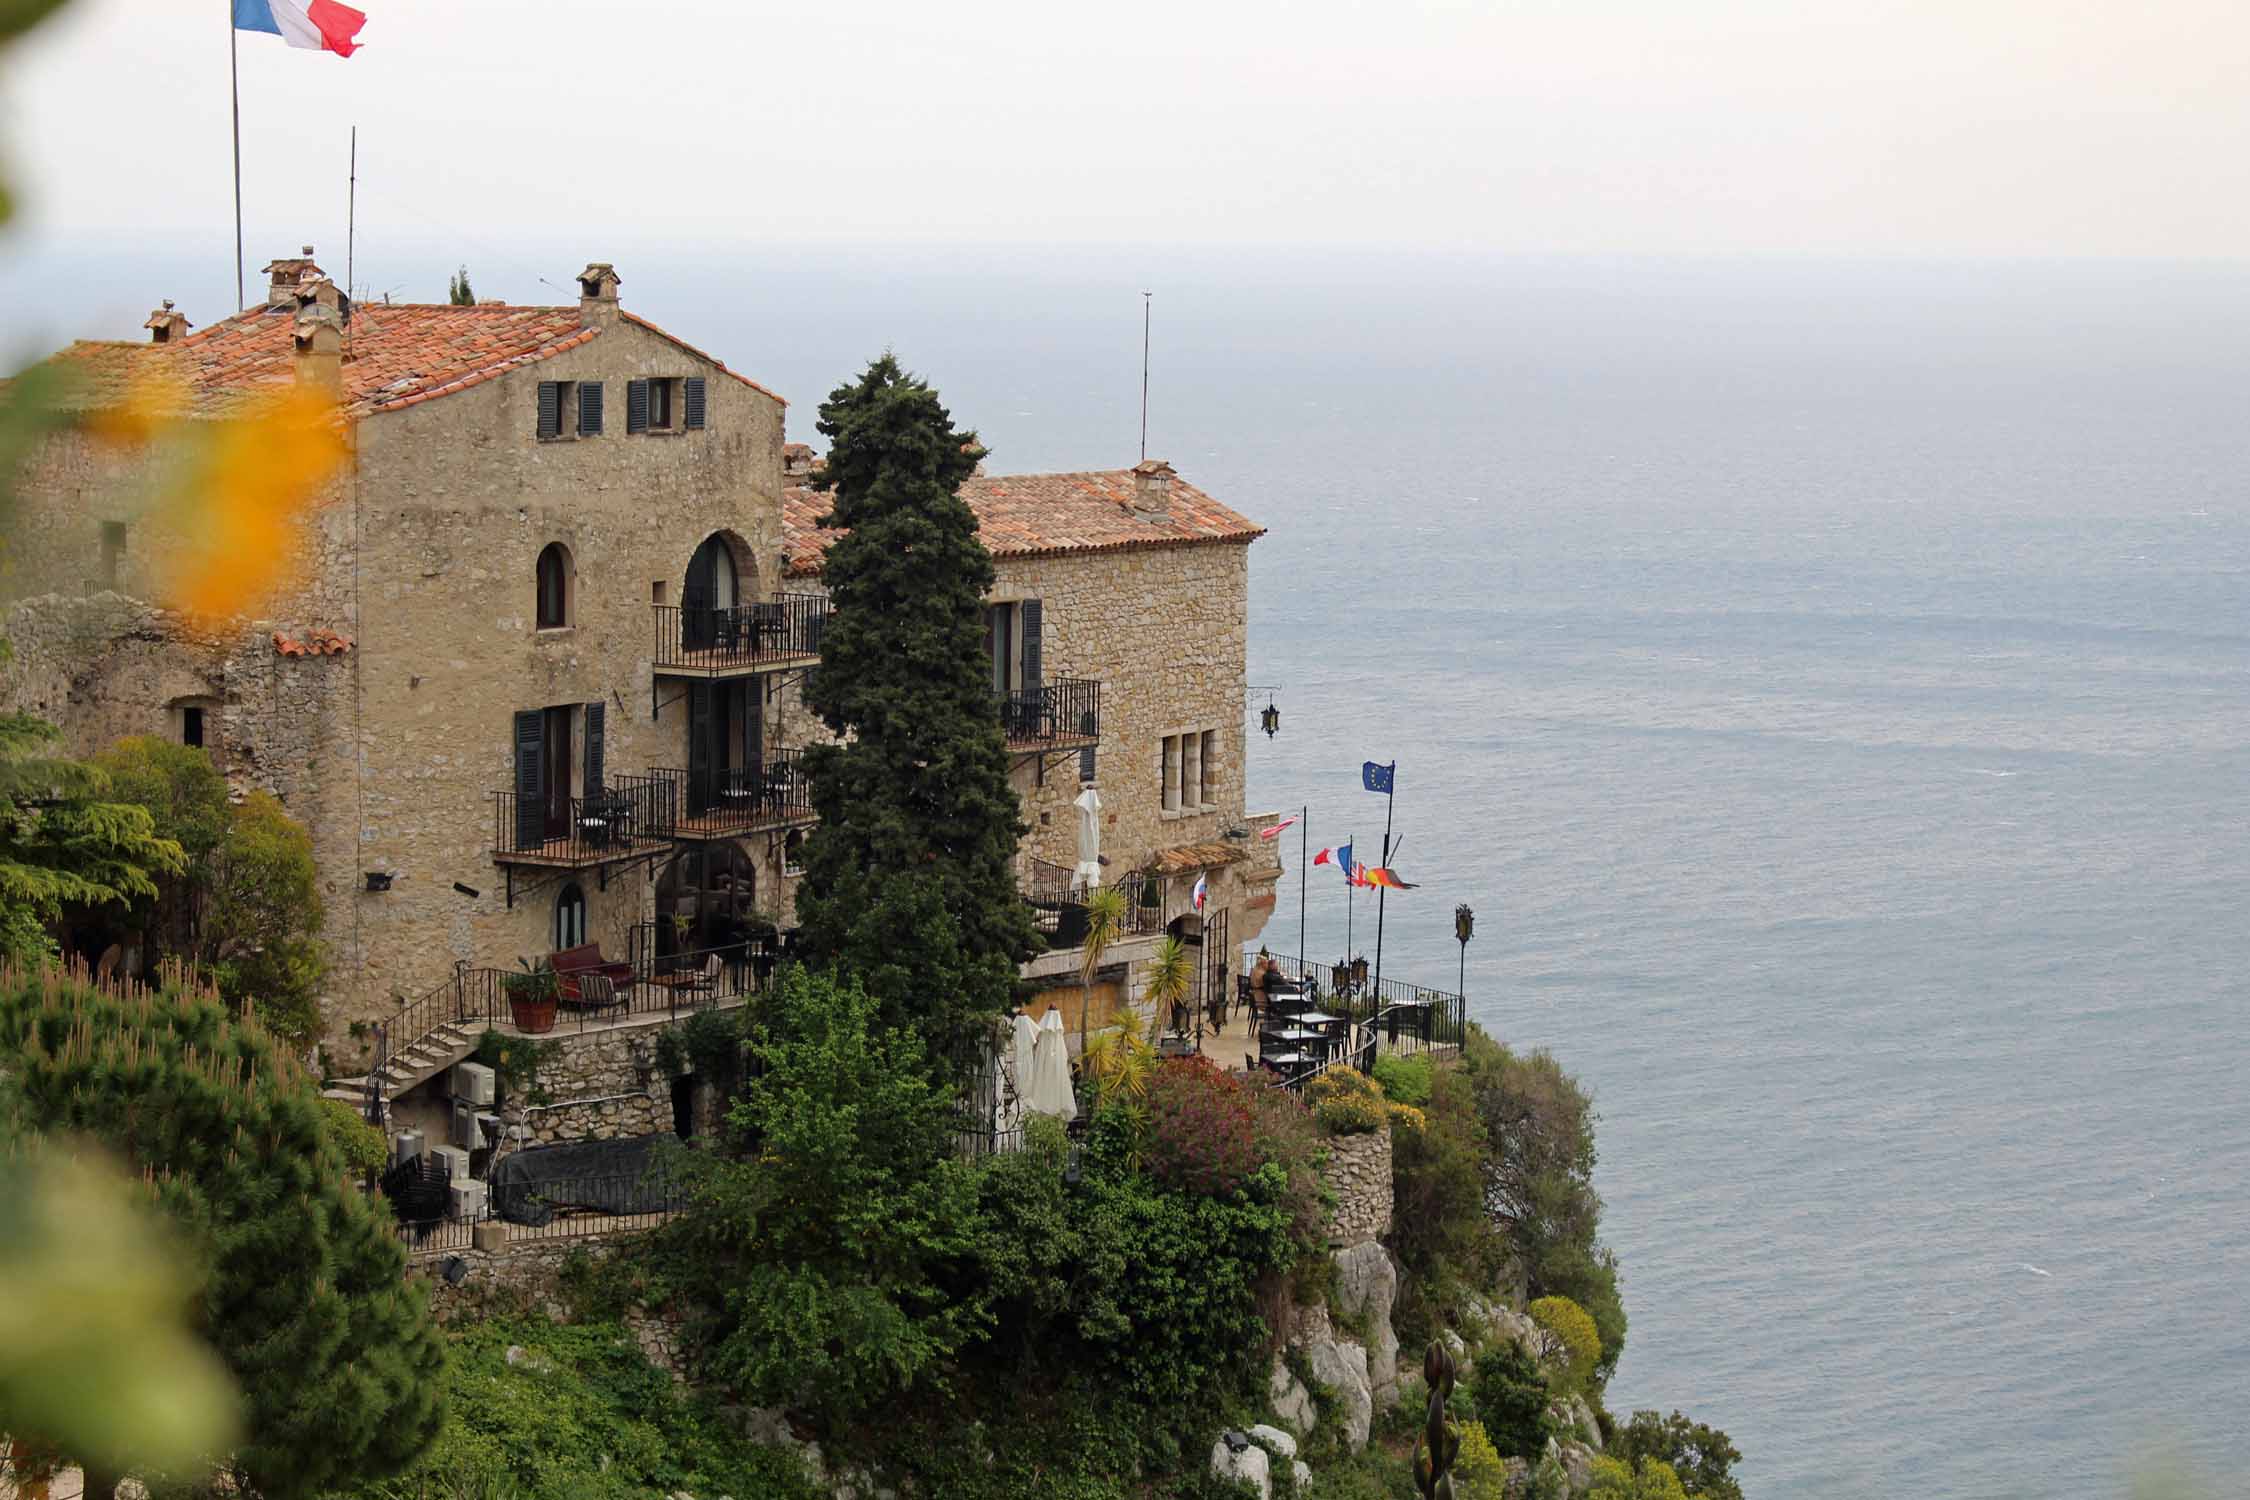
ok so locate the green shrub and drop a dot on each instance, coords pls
(362, 1145)
(1650, 1479)
(1406, 1079)
(1704, 1457)
(1511, 1401)
(1547, 1481)
(1445, 1244)
(1346, 1102)
(1581, 1346)
(1479, 1473)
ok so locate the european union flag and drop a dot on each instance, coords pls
(1378, 778)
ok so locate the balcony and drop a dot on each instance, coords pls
(1065, 714)
(779, 635)
(727, 803)
(1058, 904)
(577, 833)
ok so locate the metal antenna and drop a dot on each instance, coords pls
(1146, 298)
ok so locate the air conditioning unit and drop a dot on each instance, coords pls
(468, 1198)
(456, 1161)
(405, 1146)
(473, 1083)
(488, 1130)
(464, 1132)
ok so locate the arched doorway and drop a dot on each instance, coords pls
(706, 898)
(714, 590)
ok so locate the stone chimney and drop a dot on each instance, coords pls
(165, 326)
(597, 294)
(316, 290)
(797, 463)
(281, 289)
(319, 337)
(1152, 487)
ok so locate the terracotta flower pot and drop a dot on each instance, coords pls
(532, 1017)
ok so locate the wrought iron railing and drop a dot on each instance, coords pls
(1370, 1019)
(1066, 711)
(569, 1209)
(614, 823)
(781, 631)
(1058, 903)
(730, 800)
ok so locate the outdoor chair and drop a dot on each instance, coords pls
(597, 992)
(705, 987)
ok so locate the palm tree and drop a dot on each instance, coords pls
(1105, 919)
(1168, 978)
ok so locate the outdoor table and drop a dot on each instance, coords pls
(1293, 1034)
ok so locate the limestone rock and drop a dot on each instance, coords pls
(530, 1359)
(1366, 1286)
(1577, 1462)
(1291, 1402)
(1302, 1473)
(1250, 1465)
(1341, 1365)
(1280, 1444)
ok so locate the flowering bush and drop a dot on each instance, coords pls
(1199, 1130)
(1346, 1102)
(1575, 1347)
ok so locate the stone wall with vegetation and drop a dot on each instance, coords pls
(599, 1085)
(1358, 1173)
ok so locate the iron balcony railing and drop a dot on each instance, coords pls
(618, 822)
(726, 802)
(1058, 903)
(770, 634)
(561, 1210)
(1065, 713)
(1367, 1019)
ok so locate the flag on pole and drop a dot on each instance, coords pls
(1322, 858)
(1378, 778)
(1377, 875)
(1344, 860)
(1275, 831)
(1202, 889)
(320, 25)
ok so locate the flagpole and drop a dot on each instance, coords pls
(1304, 878)
(234, 81)
(1390, 802)
(1351, 905)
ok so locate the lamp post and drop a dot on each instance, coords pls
(1464, 928)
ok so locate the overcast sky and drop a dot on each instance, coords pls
(1834, 127)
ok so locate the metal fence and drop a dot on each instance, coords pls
(740, 636)
(571, 1209)
(727, 801)
(617, 823)
(1058, 903)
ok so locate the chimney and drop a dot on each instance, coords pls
(286, 274)
(1152, 487)
(796, 461)
(597, 295)
(166, 326)
(316, 290)
(319, 337)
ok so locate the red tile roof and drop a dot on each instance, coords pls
(396, 354)
(1043, 515)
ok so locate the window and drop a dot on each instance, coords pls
(113, 550)
(555, 403)
(793, 853)
(191, 726)
(1012, 641)
(1190, 771)
(570, 917)
(554, 587)
(665, 403)
(656, 591)
(589, 408)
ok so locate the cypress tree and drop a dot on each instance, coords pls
(303, 1290)
(909, 879)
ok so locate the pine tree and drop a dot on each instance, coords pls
(303, 1288)
(457, 289)
(910, 881)
(64, 840)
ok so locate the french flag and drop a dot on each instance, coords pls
(322, 25)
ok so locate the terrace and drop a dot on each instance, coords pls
(712, 642)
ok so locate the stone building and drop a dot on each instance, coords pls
(530, 681)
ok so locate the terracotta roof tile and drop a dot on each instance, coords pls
(1183, 859)
(1035, 515)
(396, 354)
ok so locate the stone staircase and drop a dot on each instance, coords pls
(425, 1057)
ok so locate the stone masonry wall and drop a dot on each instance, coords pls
(1358, 1172)
(599, 1092)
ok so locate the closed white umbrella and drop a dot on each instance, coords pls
(1050, 1071)
(1089, 805)
(1021, 1058)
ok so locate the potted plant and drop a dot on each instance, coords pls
(531, 996)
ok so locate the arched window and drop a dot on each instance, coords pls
(554, 586)
(570, 917)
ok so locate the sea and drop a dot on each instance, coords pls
(1829, 685)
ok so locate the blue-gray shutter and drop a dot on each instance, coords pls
(1086, 762)
(594, 782)
(636, 406)
(692, 402)
(531, 784)
(589, 408)
(550, 408)
(1028, 616)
